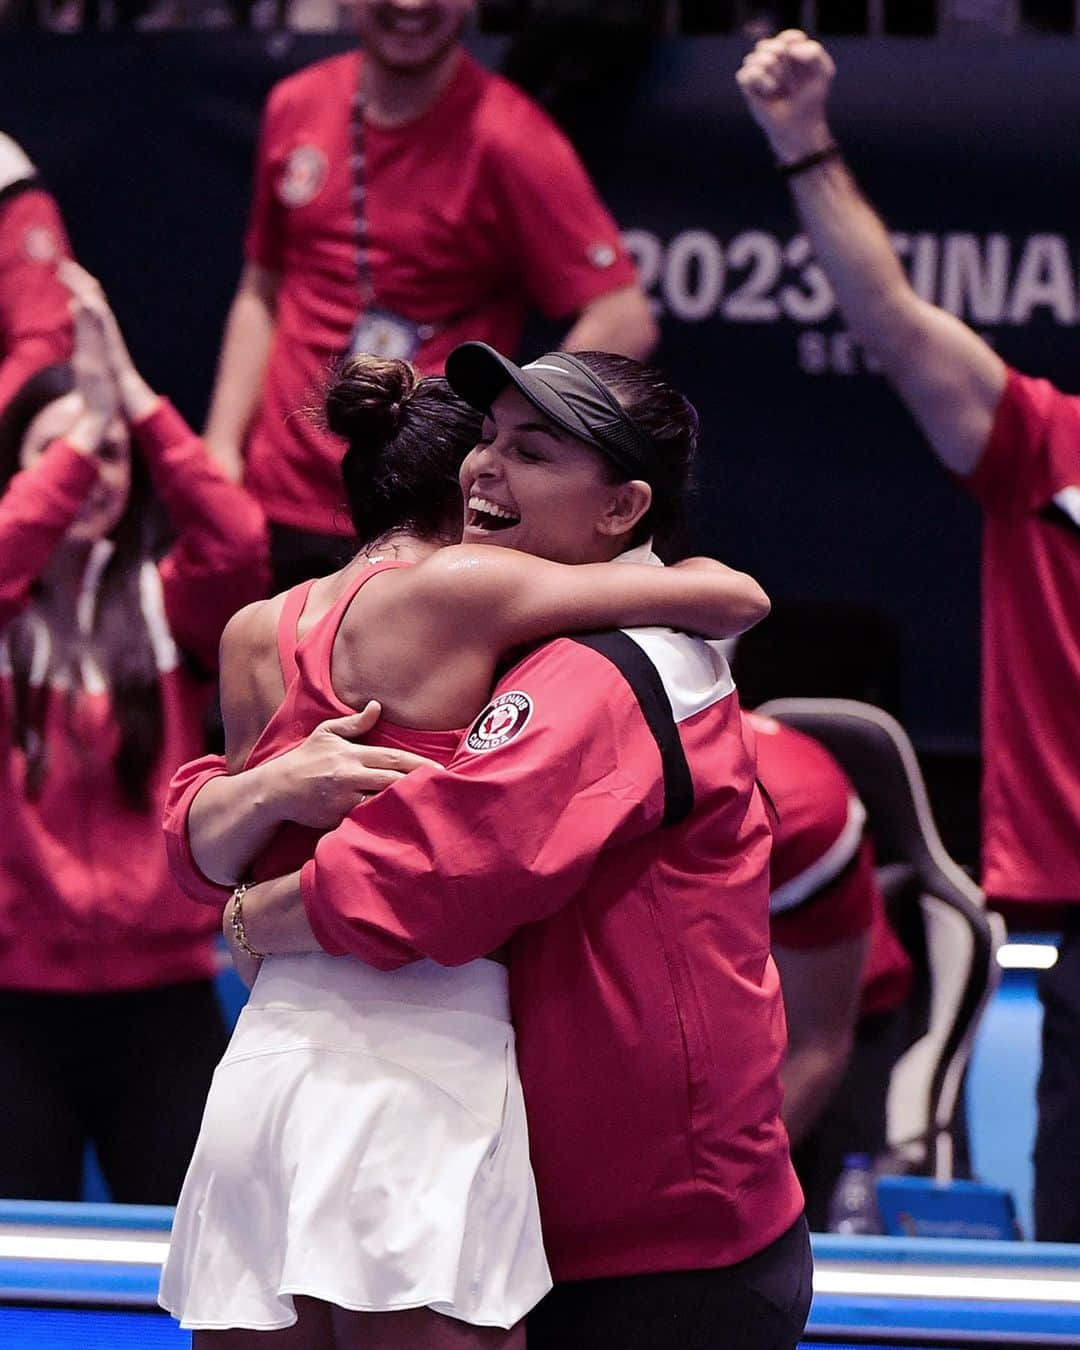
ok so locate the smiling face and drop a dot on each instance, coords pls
(530, 485)
(411, 36)
(106, 500)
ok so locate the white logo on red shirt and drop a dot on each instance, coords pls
(504, 718)
(41, 244)
(302, 176)
(602, 255)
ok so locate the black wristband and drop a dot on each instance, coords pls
(830, 151)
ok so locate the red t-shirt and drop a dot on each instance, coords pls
(35, 325)
(821, 874)
(475, 213)
(1028, 484)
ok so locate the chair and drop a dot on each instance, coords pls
(938, 911)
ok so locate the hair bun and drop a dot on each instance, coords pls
(367, 398)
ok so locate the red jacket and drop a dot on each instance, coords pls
(86, 902)
(35, 325)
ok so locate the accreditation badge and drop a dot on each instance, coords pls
(379, 332)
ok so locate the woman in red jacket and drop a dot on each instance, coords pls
(109, 1028)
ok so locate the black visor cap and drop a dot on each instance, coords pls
(566, 392)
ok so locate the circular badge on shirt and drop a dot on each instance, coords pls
(504, 718)
(41, 244)
(302, 176)
(602, 255)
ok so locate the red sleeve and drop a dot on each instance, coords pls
(1033, 451)
(841, 909)
(220, 561)
(185, 786)
(567, 246)
(35, 512)
(448, 864)
(35, 325)
(263, 241)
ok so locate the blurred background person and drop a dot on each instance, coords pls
(844, 973)
(35, 325)
(109, 1025)
(1014, 443)
(405, 200)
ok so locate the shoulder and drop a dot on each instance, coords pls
(799, 766)
(515, 129)
(1034, 447)
(471, 579)
(251, 632)
(313, 87)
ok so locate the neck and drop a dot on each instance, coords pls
(394, 98)
(396, 548)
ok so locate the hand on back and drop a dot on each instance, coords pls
(328, 775)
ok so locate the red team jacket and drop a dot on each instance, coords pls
(86, 901)
(476, 213)
(35, 325)
(602, 815)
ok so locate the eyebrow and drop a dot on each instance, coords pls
(544, 428)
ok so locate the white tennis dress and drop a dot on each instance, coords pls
(364, 1142)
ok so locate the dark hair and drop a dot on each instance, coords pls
(120, 637)
(671, 421)
(407, 435)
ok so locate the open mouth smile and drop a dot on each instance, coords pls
(489, 516)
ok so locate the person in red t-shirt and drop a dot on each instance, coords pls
(405, 200)
(109, 1026)
(842, 968)
(35, 326)
(1014, 442)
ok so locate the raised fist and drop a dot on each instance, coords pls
(785, 81)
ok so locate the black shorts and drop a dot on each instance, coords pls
(759, 1304)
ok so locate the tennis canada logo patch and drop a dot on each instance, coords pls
(504, 718)
(302, 176)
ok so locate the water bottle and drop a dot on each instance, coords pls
(853, 1208)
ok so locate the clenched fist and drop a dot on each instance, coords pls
(785, 81)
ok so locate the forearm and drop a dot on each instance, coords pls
(274, 919)
(853, 246)
(35, 511)
(620, 322)
(232, 819)
(810, 1075)
(249, 332)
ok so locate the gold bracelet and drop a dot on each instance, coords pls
(236, 922)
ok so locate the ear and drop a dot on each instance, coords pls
(626, 506)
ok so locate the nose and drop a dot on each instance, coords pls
(482, 461)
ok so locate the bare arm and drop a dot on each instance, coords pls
(511, 598)
(947, 375)
(621, 321)
(821, 997)
(249, 331)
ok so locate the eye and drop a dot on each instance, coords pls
(529, 456)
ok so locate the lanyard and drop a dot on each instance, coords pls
(359, 194)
